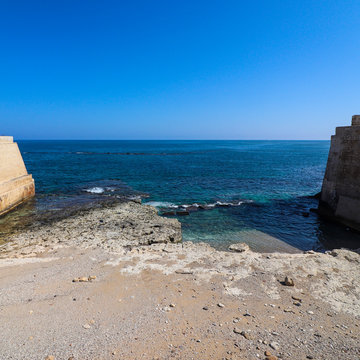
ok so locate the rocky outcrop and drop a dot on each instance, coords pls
(340, 194)
(113, 228)
(16, 185)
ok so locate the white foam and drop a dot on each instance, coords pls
(95, 190)
(162, 204)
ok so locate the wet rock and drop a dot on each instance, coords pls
(182, 213)
(240, 247)
(168, 213)
(192, 208)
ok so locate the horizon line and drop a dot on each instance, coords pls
(172, 139)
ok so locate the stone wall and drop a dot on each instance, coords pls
(16, 185)
(340, 194)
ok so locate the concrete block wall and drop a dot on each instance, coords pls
(16, 185)
(340, 194)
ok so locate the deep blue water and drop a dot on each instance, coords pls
(267, 183)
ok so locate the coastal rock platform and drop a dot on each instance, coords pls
(82, 288)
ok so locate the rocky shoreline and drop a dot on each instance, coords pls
(118, 283)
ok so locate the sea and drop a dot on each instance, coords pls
(223, 192)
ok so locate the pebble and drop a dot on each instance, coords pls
(86, 326)
(274, 345)
(242, 247)
(271, 357)
(205, 308)
(172, 305)
(220, 305)
(237, 331)
(289, 281)
(245, 334)
(289, 311)
(50, 357)
(310, 312)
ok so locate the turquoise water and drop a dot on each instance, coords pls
(244, 188)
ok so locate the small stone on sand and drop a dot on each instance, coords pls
(289, 281)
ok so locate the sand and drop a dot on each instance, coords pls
(169, 300)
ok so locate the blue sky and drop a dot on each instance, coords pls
(178, 69)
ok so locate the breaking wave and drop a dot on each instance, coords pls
(163, 205)
(95, 190)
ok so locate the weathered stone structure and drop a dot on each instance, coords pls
(340, 194)
(16, 185)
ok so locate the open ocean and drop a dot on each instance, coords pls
(258, 192)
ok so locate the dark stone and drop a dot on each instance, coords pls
(168, 213)
(182, 213)
(192, 208)
(223, 205)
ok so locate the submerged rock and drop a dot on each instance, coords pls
(182, 213)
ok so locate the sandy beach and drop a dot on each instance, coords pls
(139, 293)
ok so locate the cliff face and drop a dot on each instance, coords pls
(340, 194)
(16, 185)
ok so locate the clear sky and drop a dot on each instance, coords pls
(285, 69)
